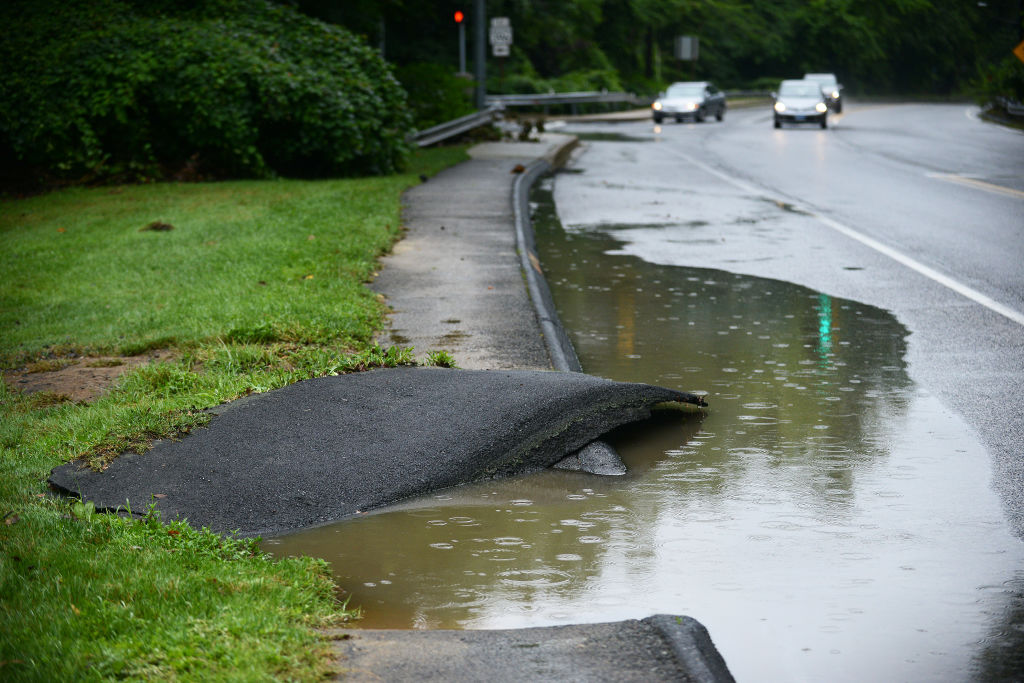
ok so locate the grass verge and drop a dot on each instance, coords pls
(253, 286)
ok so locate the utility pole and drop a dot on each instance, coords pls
(480, 51)
(460, 20)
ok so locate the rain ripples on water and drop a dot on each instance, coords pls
(826, 519)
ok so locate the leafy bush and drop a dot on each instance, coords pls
(1003, 79)
(128, 89)
(436, 94)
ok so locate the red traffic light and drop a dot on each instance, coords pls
(459, 16)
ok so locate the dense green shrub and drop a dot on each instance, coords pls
(245, 88)
(1003, 79)
(436, 94)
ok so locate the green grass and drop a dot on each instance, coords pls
(88, 596)
(249, 261)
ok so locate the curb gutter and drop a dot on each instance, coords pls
(560, 348)
(689, 641)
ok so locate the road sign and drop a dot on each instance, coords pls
(501, 31)
(687, 48)
(1019, 51)
(501, 36)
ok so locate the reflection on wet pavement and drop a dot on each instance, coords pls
(826, 520)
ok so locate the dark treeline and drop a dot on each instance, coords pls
(133, 90)
(875, 46)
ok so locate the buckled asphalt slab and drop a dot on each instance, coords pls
(327, 448)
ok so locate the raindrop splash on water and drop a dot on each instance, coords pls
(827, 520)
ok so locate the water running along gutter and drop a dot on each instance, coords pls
(559, 346)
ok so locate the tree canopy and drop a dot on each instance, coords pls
(877, 46)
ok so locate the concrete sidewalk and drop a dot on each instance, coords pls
(455, 282)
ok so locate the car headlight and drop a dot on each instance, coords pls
(694, 105)
(780, 107)
(835, 94)
(656, 106)
(821, 107)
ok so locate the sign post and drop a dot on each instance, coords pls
(501, 43)
(687, 49)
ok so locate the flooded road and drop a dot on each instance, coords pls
(826, 520)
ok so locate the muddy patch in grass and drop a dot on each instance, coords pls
(79, 378)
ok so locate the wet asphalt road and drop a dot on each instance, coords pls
(917, 209)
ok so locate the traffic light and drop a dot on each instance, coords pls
(459, 16)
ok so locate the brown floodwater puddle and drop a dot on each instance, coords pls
(826, 520)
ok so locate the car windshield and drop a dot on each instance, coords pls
(809, 89)
(685, 90)
(824, 79)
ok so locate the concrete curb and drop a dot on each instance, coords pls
(560, 348)
(692, 647)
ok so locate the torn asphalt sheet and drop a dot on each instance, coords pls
(325, 448)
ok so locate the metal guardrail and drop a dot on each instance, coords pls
(747, 93)
(450, 129)
(542, 99)
(497, 103)
(1012, 108)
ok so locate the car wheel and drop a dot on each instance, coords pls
(778, 124)
(839, 107)
(699, 116)
(658, 119)
(721, 114)
(824, 122)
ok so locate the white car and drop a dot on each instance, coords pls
(799, 101)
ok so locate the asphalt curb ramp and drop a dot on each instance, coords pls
(323, 449)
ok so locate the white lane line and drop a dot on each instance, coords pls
(977, 184)
(944, 280)
(915, 265)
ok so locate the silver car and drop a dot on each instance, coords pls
(832, 88)
(800, 102)
(695, 100)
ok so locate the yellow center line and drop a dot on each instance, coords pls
(978, 184)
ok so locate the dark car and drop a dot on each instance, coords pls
(695, 100)
(800, 101)
(832, 88)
